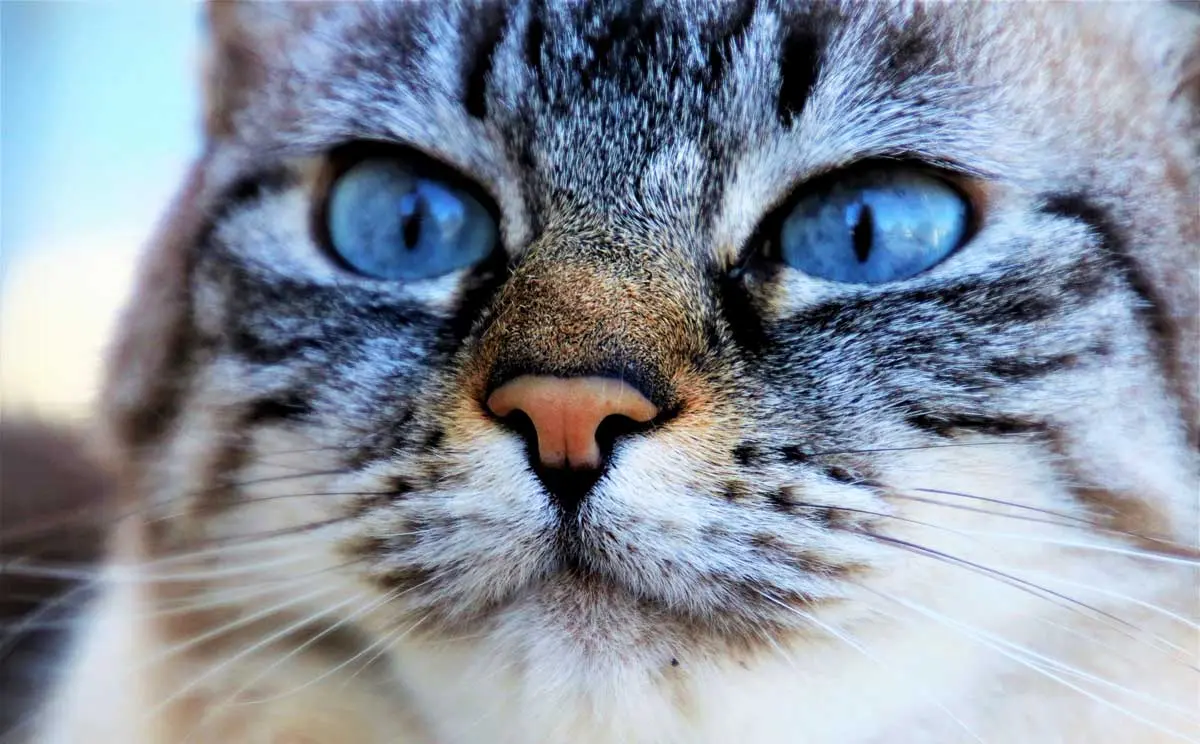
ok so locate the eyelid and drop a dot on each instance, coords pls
(974, 186)
(338, 160)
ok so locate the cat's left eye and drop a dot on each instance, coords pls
(391, 218)
(874, 226)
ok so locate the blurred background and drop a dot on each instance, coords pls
(99, 117)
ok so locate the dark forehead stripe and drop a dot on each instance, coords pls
(485, 30)
(722, 47)
(799, 68)
(633, 49)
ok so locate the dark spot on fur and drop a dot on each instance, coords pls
(767, 542)
(781, 500)
(794, 453)
(245, 190)
(944, 425)
(721, 49)
(289, 406)
(535, 39)
(799, 69)
(674, 661)
(715, 533)
(1015, 369)
(909, 53)
(366, 503)
(746, 454)
(257, 349)
(434, 438)
(399, 486)
(822, 517)
(490, 21)
(734, 491)
(840, 474)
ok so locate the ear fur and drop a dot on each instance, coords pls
(243, 38)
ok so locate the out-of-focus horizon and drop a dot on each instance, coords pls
(99, 114)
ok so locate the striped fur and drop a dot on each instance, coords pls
(827, 453)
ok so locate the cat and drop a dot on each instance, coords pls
(644, 372)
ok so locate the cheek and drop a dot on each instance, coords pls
(975, 521)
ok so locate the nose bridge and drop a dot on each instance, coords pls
(575, 308)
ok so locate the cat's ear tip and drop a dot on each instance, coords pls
(242, 20)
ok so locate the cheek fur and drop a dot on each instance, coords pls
(863, 510)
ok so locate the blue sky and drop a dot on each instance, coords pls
(99, 116)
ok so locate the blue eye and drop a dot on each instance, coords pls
(390, 221)
(876, 226)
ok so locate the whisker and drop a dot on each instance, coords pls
(1022, 585)
(1073, 523)
(1100, 547)
(31, 622)
(238, 622)
(253, 648)
(76, 517)
(389, 597)
(1020, 655)
(382, 646)
(120, 574)
(917, 448)
(1078, 522)
(1001, 502)
(862, 649)
(232, 698)
(1194, 625)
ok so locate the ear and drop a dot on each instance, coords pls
(246, 40)
(147, 364)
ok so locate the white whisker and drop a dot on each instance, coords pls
(1130, 552)
(235, 624)
(1023, 655)
(862, 649)
(247, 651)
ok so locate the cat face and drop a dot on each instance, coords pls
(856, 419)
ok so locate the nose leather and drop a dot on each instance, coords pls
(566, 411)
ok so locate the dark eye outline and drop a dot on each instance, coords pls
(340, 159)
(762, 251)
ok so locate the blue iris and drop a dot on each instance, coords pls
(390, 221)
(872, 227)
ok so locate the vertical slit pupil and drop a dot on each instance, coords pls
(864, 229)
(412, 224)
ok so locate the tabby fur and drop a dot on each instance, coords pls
(957, 507)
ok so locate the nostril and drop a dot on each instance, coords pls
(568, 487)
(613, 428)
(518, 422)
(570, 427)
(566, 414)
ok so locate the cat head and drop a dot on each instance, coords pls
(835, 403)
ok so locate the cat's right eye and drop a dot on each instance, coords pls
(875, 226)
(391, 219)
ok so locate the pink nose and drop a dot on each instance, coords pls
(566, 411)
